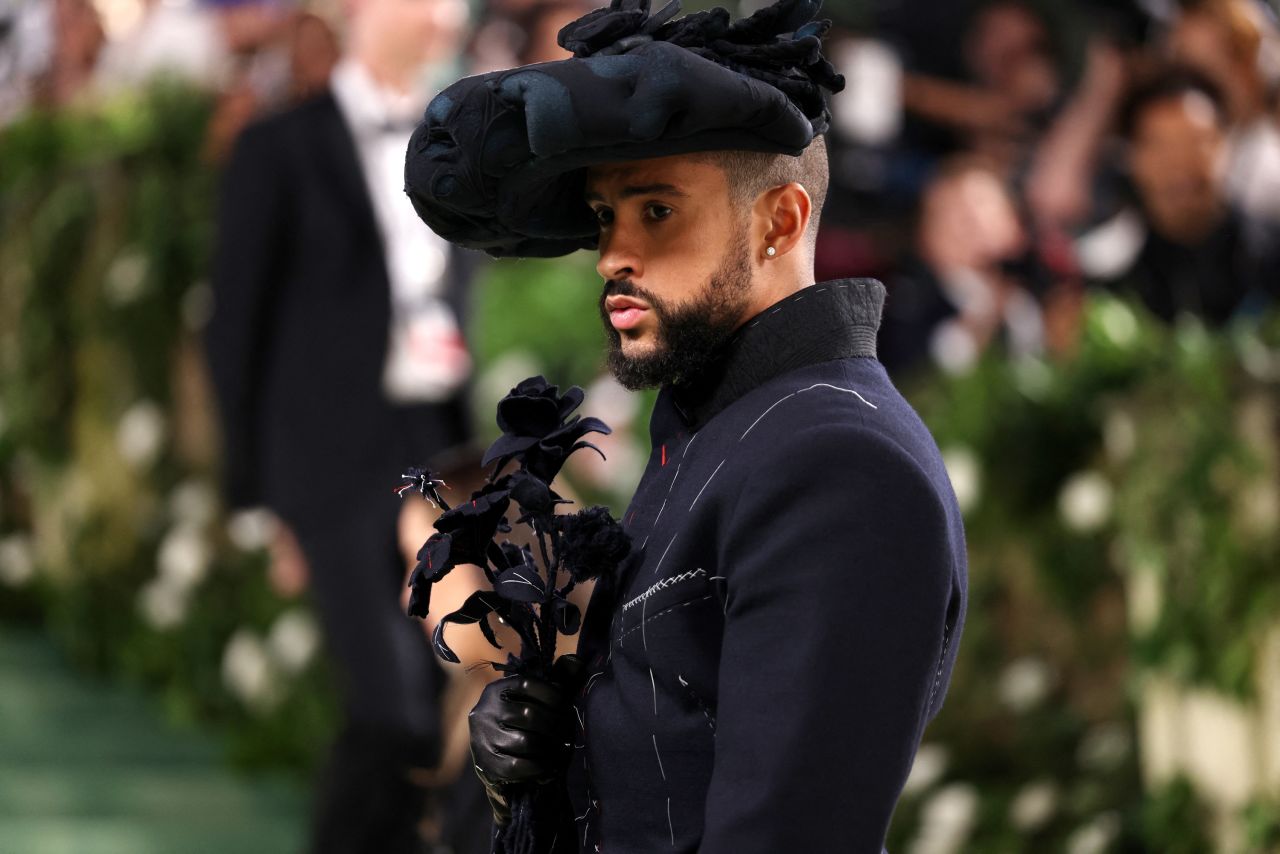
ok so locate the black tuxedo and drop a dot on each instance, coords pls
(296, 348)
(764, 666)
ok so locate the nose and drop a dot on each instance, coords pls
(620, 255)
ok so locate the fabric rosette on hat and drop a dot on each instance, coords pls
(498, 162)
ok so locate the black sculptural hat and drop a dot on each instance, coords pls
(499, 160)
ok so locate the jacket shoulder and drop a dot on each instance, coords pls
(283, 125)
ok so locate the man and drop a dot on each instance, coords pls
(960, 293)
(335, 352)
(761, 669)
(1199, 255)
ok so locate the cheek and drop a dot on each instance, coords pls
(688, 253)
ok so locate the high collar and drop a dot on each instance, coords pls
(826, 321)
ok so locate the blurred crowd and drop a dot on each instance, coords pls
(993, 161)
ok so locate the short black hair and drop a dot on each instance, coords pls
(1167, 84)
(751, 173)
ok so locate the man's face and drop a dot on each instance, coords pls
(415, 32)
(1177, 160)
(675, 257)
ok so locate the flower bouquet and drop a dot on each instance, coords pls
(528, 591)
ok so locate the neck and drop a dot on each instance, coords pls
(778, 280)
(388, 74)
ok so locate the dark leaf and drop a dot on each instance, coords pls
(568, 617)
(521, 584)
(477, 608)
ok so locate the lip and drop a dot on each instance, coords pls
(620, 303)
(625, 312)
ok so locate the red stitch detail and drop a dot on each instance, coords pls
(664, 455)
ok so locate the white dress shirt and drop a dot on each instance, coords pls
(427, 359)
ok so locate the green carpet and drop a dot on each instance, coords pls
(89, 768)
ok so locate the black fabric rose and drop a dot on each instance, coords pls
(536, 426)
(780, 44)
(536, 499)
(592, 543)
(540, 431)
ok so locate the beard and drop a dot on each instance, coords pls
(689, 336)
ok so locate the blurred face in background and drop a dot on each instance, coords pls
(969, 221)
(1222, 42)
(1177, 162)
(408, 33)
(1009, 51)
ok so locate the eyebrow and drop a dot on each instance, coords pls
(633, 190)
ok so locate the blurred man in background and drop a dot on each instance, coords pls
(337, 357)
(961, 291)
(1201, 255)
(1233, 45)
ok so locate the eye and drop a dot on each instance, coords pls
(604, 216)
(658, 211)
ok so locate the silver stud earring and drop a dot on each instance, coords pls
(770, 251)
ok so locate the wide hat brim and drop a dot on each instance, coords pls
(499, 161)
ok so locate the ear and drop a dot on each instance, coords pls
(782, 217)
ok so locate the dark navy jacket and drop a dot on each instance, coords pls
(765, 664)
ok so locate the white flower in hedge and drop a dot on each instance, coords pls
(965, 471)
(1119, 435)
(194, 502)
(946, 820)
(1085, 502)
(1259, 360)
(17, 560)
(163, 603)
(126, 278)
(1104, 746)
(1096, 836)
(1034, 805)
(248, 672)
(184, 555)
(1118, 323)
(293, 640)
(251, 530)
(1024, 684)
(928, 768)
(141, 433)
(1259, 508)
(1033, 377)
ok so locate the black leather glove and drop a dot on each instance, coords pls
(522, 732)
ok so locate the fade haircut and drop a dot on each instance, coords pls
(751, 173)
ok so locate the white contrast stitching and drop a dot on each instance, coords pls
(662, 585)
(664, 612)
(708, 483)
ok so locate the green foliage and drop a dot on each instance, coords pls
(1148, 461)
(107, 223)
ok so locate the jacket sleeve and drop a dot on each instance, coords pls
(246, 266)
(839, 576)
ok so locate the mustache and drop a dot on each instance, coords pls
(627, 288)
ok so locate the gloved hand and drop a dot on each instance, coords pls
(522, 731)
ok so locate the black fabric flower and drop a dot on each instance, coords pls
(438, 555)
(475, 522)
(536, 427)
(592, 543)
(425, 481)
(536, 499)
(780, 44)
